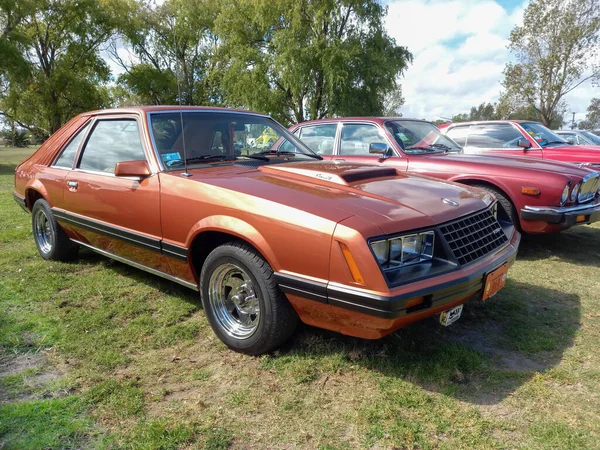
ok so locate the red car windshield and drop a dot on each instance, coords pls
(542, 135)
(415, 136)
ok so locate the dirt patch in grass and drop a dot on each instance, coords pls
(28, 376)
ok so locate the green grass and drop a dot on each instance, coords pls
(94, 354)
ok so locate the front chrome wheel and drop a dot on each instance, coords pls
(42, 231)
(234, 301)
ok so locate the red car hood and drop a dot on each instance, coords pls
(510, 162)
(391, 200)
(574, 153)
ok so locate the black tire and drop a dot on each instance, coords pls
(269, 326)
(50, 239)
(505, 202)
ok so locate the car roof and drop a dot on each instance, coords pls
(166, 108)
(378, 119)
(483, 122)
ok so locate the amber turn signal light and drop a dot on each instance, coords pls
(356, 275)
(580, 219)
(528, 190)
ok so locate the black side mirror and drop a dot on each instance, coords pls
(524, 143)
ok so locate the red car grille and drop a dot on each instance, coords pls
(474, 236)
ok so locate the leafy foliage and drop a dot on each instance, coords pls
(59, 71)
(592, 118)
(15, 138)
(555, 50)
(308, 59)
(173, 41)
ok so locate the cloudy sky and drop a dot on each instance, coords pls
(459, 50)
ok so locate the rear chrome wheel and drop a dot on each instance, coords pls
(51, 241)
(242, 302)
(42, 232)
(232, 298)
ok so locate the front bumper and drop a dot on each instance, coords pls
(564, 217)
(392, 306)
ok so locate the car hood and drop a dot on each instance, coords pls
(510, 162)
(391, 200)
(574, 153)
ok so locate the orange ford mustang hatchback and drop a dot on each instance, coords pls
(268, 233)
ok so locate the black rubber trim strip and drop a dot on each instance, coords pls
(390, 307)
(127, 236)
(20, 201)
(174, 251)
(301, 287)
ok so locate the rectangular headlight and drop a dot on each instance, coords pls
(404, 250)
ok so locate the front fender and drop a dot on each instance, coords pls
(238, 228)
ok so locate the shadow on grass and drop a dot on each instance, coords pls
(161, 284)
(492, 350)
(7, 169)
(579, 245)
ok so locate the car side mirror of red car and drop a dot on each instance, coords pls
(380, 148)
(524, 143)
(137, 169)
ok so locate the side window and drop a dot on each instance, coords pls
(458, 135)
(493, 136)
(112, 141)
(356, 139)
(319, 138)
(67, 156)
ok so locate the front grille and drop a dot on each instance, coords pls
(474, 236)
(589, 187)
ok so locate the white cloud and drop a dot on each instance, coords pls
(460, 50)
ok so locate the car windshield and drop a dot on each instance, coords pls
(542, 135)
(216, 137)
(595, 140)
(415, 136)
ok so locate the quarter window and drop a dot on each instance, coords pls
(319, 138)
(458, 135)
(356, 139)
(493, 136)
(112, 141)
(67, 156)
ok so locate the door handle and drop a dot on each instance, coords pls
(339, 159)
(72, 184)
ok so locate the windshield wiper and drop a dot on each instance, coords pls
(206, 158)
(254, 156)
(285, 153)
(429, 148)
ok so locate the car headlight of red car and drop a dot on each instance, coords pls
(404, 250)
(575, 192)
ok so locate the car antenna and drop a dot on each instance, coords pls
(185, 170)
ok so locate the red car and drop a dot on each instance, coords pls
(266, 236)
(539, 196)
(519, 138)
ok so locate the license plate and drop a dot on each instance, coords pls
(494, 281)
(447, 318)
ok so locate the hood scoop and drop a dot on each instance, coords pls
(344, 174)
(375, 172)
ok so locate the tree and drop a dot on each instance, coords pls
(63, 74)
(555, 49)
(592, 118)
(392, 102)
(308, 59)
(174, 43)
